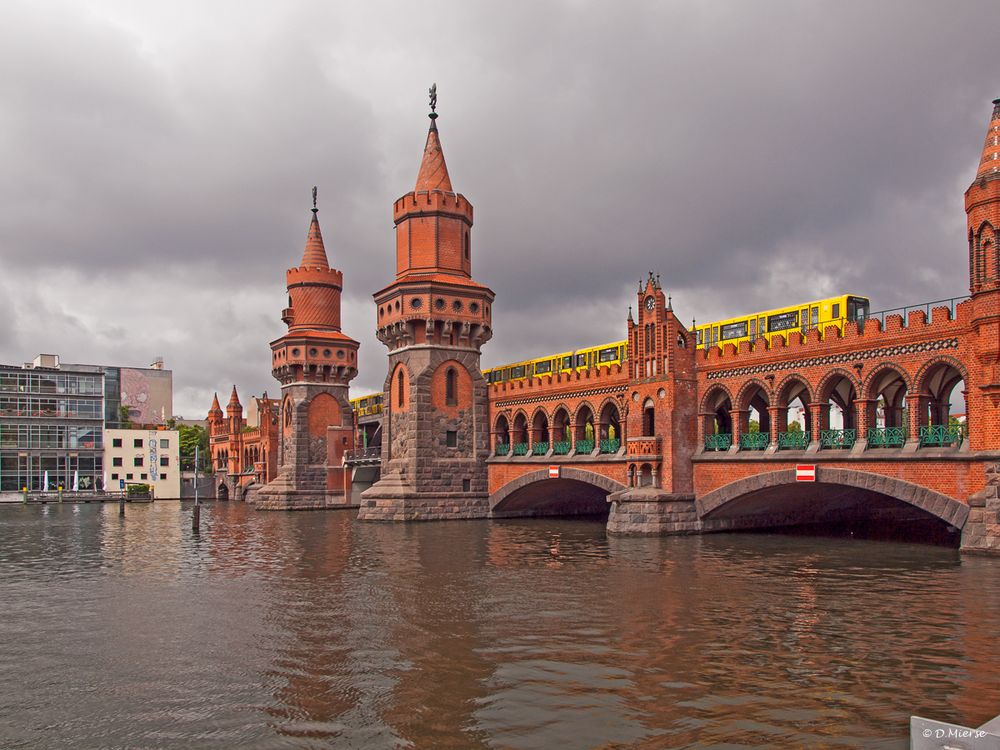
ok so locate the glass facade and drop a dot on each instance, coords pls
(51, 427)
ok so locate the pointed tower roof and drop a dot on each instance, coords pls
(234, 400)
(433, 173)
(215, 403)
(314, 255)
(990, 162)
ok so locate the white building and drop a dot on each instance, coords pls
(144, 457)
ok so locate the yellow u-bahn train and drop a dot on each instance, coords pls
(781, 321)
(768, 323)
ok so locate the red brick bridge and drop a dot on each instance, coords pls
(683, 439)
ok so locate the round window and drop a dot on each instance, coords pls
(456, 306)
(340, 354)
(313, 352)
(474, 307)
(326, 352)
(295, 352)
(439, 303)
(415, 303)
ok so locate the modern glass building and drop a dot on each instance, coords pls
(51, 426)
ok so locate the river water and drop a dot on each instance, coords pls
(310, 630)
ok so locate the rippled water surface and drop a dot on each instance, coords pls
(310, 630)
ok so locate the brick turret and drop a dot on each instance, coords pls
(314, 362)
(982, 207)
(434, 320)
(215, 418)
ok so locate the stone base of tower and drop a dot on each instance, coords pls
(981, 533)
(392, 499)
(303, 492)
(647, 511)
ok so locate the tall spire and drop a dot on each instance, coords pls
(234, 400)
(314, 255)
(433, 173)
(215, 405)
(990, 162)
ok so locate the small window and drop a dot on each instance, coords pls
(164, 443)
(451, 439)
(128, 476)
(116, 461)
(466, 485)
(137, 443)
(451, 387)
(116, 442)
(114, 476)
(164, 461)
(399, 390)
(137, 461)
(163, 477)
(836, 311)
(143, 476)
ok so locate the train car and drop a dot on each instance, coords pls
(367, 405)
(582, 359)
(781, 321)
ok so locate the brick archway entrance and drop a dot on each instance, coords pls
(575, 492)
(775, 499)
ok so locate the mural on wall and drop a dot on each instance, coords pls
(148, 394)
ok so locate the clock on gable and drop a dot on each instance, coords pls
(650, 302)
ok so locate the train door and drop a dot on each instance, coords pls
(815, 317)
(804, 319)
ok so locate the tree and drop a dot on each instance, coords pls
(754, 426)
(794, 427)
(191, 437)
(124, 417)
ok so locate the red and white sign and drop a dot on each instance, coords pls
(553, 472)
(805, 473)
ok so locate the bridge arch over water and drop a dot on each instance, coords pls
(575, 492)
(775, 499)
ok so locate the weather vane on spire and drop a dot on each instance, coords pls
(433, 91)
(314, 198)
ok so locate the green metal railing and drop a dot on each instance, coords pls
(560, 447)
(886, 437)
(793, 441)
(718, 442)
(502, 449)
(539, 449)
(610, 446)
(837, 438)
(755, 441)
(584, 446)
(939, 435)
(520, 449)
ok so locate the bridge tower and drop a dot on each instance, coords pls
(661, 423)
(433, 319)
(982, 207)
(314, 362)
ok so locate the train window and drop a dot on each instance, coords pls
(815, 317)
(753, 328)
(733, 330)
(760, 327)
(835, 313)
(607, 355)
(581, 360)
(567, 362)
(517, 372)
(804, 317)
(543, 367)
(715, 334)
(782, 321)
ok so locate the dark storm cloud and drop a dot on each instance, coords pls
(752, 154)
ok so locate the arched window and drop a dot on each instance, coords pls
(400, 395)
(648, 419)
(451, 387)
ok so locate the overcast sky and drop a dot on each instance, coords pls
(156, 163)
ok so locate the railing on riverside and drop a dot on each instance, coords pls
(502, 449)
(359, 455)
(583, 447)
(520, 449)
(561, 447)
(940, 435)
(610, 446)
(539, 449)
(837, 439)
(718, 442)
(793, 441)
(886, 437)
(755, 441)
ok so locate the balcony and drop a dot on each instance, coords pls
(370, 455)
(837, 439)
(755, 441)
(643, 446)
(722, 441)
(793, 441)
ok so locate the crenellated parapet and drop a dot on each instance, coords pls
(597, 377)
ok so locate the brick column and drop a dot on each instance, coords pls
(820, 417)
(741, 424)
(779, 421)
(918, 404)
(865, 416)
